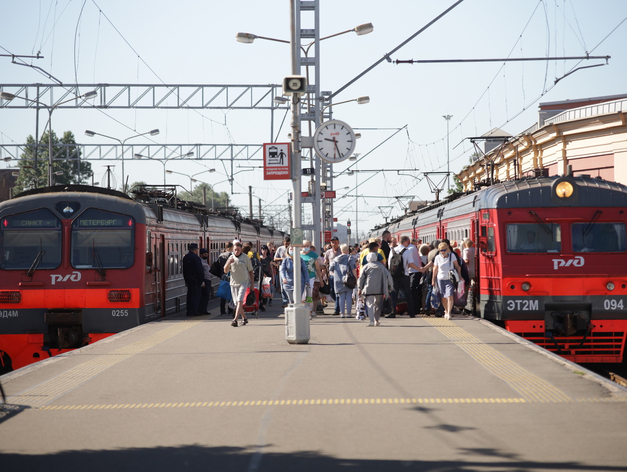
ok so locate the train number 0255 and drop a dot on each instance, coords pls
(613, 304)
(119, 312)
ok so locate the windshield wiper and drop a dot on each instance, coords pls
(36, 263)
(593, 221)
(542, 223)
(96, 256)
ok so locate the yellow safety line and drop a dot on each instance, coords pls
(530, 386)
(61, 384)
(326, 402)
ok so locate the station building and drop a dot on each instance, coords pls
(590, 135)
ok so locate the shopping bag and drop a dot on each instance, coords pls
(266, 287)
(461, 288)
(224, 290)
(435, 299)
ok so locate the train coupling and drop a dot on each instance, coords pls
(569, 323)
(65, 329)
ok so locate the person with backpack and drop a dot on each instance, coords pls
(217, 269)
(444, 263)
(404, 260)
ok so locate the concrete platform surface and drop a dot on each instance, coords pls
(412, 394)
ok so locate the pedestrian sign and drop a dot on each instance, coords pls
(276, 161)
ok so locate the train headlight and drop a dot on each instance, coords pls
(610, 286)
(526, 286)
(564, 189)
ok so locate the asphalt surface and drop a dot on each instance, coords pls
(412, 394)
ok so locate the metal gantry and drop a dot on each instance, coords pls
(147, 96)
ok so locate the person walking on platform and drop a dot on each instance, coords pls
(242, 277)
(279, 257)
(312, 263)
(340, 267)
(331, 254)
(194, 276)
(375, 283)
(266, 271)
(287, 276)
(443, 264)
(205, 293)
(222, 258)
(386, 239)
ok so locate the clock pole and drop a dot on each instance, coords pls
(296, 315)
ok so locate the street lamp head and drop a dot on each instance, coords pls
(363, 100)
(91, 94)
(7, 96)
(211, 170)
(154, 132)
(281, 100)
(189, 154)
(246, 38)
(170, 171)
(89, 133)
(138, 155)
(58, 172)
(364, 29)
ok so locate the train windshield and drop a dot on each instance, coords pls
(599, 237)
(523, 238)
(31, 239)
(102, 240)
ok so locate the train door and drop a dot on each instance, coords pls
(160, 273)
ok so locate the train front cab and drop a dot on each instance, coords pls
(555, 274)
(70, 275)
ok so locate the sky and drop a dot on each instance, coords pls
(193, 42)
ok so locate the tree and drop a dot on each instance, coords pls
(220, 199)
(457, 186)
(71, 170)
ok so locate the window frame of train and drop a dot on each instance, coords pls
(593, 237)
(112, 230)
(25, 228)
(487, 241)
(547, 238)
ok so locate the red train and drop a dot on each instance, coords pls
(80, 263)
(551, 259)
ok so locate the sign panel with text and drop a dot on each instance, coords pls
(276, 161)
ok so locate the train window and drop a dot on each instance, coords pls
(102, 240)
(30, 237)
(599, 237)
(532, 237)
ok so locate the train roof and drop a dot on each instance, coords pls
(524, 193)
(83, 195)
(539, 192)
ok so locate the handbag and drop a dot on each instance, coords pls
(325, 288)
(224, 290)
(349, 279)
(435, 299)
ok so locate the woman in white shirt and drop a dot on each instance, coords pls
(444, 262)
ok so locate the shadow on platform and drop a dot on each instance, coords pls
(198, 458)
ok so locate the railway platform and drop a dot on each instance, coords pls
(412, 394)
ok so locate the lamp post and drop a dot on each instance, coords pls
(248, 38)
(164, 161)
(10, 96)
(91, 134)
(448, 149)
(191, 177)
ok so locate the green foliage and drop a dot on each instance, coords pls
(220, 199)
(72, 170)
(457, 186)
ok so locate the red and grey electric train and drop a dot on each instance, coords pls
(80, 263)
(551, 259)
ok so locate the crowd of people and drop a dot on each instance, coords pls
(388, 277)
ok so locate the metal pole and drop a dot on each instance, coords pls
(448, 158)
(250, 201)
(50, 146)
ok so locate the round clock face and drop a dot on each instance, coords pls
(334, 141)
